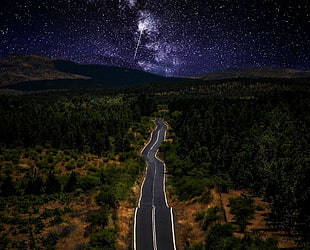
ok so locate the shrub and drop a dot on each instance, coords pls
(99, 217)
(38, 148)
(50, 241)
(243, 209)
(70, 165)
(4, 241)
(104, 239)
(106, 196)
(88, 182)
(212, 215)
(57, 220)
(221, 237)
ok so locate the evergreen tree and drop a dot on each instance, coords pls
(7, 187)
(243, 209)
(52, 185)
(35, 184)
(71, 183)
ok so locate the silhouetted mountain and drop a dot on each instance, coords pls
(111, 76)
(22, 68)
(254, 73)
(46, 73)
(33, 73)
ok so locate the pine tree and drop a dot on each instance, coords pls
(52, 185)
(35, 184)
(71, 183)
(7, 187)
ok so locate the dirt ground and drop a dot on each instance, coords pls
(189, 232)
(260, 221)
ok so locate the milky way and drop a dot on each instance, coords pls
(168, 37)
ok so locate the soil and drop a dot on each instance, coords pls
(189, 232)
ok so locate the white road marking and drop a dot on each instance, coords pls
(154, 228)
(139, 202)
(164, 185)
(149, 140)
(153, 191)
(134, 230)
(154, 142)
(164, 178)
(172, 228)
(141, 189)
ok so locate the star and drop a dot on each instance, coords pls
(175, 38)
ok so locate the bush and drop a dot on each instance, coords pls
(50, 241)
(57, 220)
(106, 196)
(38, 148)
(4, 241)
(221, 237)
(212, 215)
(88, 182)
(70, 165)
(99, 217)
(104, 239)
(50, 213)
(243, 209)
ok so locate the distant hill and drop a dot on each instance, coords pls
(32, 73)
(22, 68)
(254, 73)
(35, 73)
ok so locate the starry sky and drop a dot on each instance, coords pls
(167, 37)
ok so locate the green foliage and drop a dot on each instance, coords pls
(88, 182)
(47, 213)
(71, 183)
(99, 217)
(7, 187)
(211, 216)
(4, 241)
(220, 237)
(253, 240)
(57, 220)
(104, 239)
(35, 185)
(243, 209)
(77, 122)
(258, 143)
(52, 185)
(50, 241)
(107, 196)
(38, 149)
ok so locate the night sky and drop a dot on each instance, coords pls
(168, 37)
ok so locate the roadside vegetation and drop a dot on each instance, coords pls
(237, 156)
(219, 143)
(68, 164)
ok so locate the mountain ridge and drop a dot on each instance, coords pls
(263, 72)
(42, 73)
(31, 72)
(23, 68)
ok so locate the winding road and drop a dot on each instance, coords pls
(153, 220)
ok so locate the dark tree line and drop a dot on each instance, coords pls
(259, 143)
(81, 122)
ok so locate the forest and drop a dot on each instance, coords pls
(259, 143)
(72, 155)
(67, 160)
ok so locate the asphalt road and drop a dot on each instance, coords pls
(153, 222)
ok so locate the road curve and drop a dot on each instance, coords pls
(153, 219)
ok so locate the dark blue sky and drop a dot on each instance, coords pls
(169, 37)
